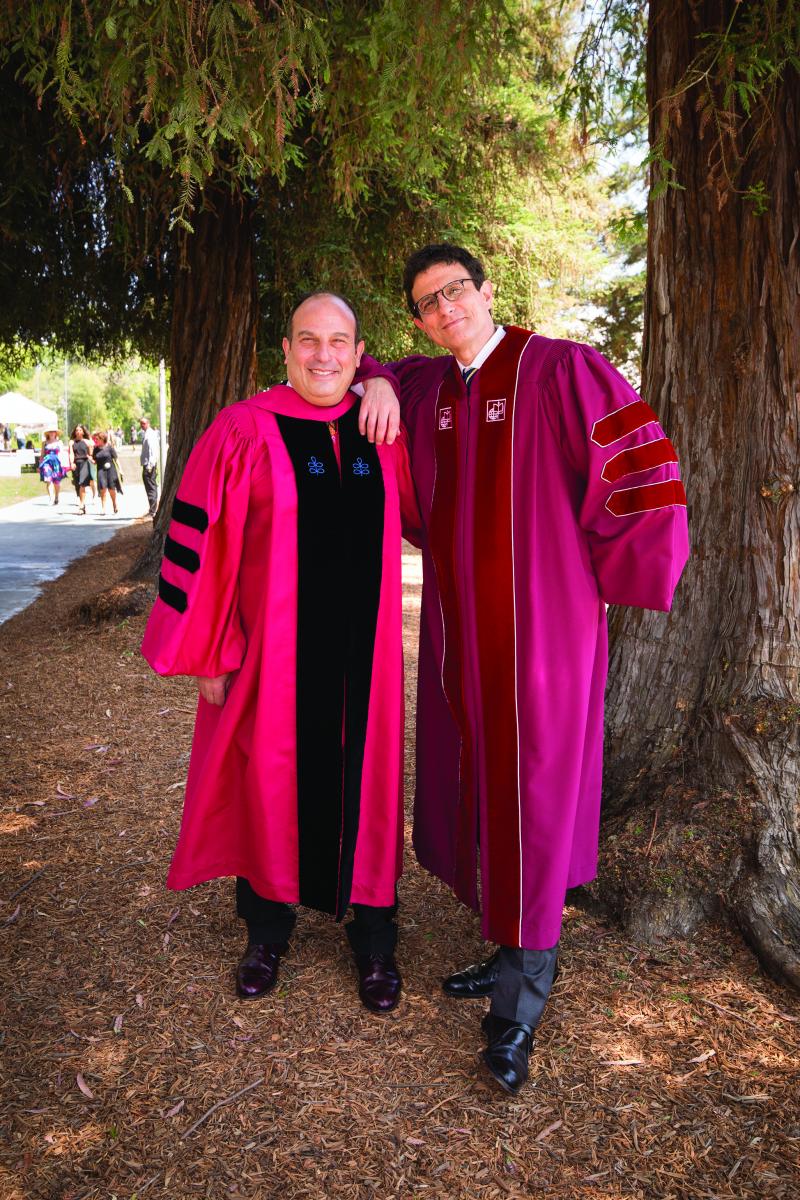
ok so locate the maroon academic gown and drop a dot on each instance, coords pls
(545, 494)
(282, 567)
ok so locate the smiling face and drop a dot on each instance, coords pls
(461, 326)
(322, 356)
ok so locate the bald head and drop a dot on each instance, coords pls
(306, 296)
(322, 349)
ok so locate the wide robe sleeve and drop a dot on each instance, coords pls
(195, 627)
(410, 516)
(633, 509)
(408, 377)
(370, 368)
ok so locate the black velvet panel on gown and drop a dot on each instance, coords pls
(339, 554)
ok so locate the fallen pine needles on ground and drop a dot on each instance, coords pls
(132, 1071)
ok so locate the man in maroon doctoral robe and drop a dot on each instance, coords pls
(547, 490)
(280, 590)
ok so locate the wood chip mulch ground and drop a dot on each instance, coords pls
(131, 1070)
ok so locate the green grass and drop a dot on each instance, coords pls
(23, 487)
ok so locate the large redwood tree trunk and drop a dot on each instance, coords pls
(703, 745)
(212, 338)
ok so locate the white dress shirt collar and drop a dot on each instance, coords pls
(485, 350)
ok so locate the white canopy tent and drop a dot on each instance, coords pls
(16, 409)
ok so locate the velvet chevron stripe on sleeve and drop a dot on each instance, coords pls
(621, 422)
(639, 458)
(627, 501)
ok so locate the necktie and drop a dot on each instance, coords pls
(468, 372)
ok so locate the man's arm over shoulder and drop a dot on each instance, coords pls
(411, 379)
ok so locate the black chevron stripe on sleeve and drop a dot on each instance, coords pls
(182, 556)
(190, 514)
(175, 597)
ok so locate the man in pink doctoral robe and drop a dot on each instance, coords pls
(280, 590)
(547, 490)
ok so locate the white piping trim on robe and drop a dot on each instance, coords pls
(650, 420)
(516, 674)
(639, 470)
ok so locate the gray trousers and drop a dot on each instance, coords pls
(524, 983)
(150, 481)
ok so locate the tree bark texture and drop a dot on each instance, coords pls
(212, 339)
(703, 744)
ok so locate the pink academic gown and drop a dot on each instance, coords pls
(282, 567)
(548, 492)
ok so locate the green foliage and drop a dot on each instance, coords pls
(86, 401)
(72, 274)
(360, 130)
(218, 89)
(130, 393)
(8, 379)
(99, 396)
(605, 86)
(171, 83)
(539, 240)
(616, 331)
(731, 83)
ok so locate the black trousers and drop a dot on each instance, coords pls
(150, 481)
(372, 931)
(524, 983)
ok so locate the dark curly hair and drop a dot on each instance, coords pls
(439, 252)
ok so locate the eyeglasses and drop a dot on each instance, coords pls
(451, 291)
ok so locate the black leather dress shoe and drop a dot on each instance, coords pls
(379, 982)
(474, 981)
(506, 1055)
(257, 972)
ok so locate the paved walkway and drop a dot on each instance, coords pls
(38, 540)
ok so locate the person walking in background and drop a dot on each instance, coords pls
(92, 470)
(150, 464)
(108, 481)
(51, 469)
(80, 460)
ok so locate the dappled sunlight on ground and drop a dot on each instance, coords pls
(16, 823)
(61, 1143)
